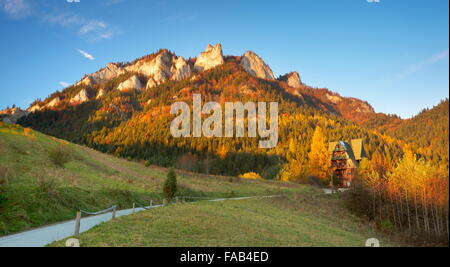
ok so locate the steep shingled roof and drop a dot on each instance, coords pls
(354, 148)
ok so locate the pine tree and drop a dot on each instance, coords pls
(319, 158)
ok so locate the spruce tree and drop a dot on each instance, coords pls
(170, 185)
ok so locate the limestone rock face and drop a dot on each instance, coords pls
(100, 93)
(81, 97)
(151, 83)
(181, 69)
(292, 79)
(164, 67)
(365, 108)
(54, 102)
(132, 83)
(111, 71)
(34, 108)
(333, 98)
(209, 59)
(11, 116)
(254, 65)
(157, 68)
(86, 81)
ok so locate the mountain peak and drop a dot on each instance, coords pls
(210, 58)
(254, 65)
(292, 79)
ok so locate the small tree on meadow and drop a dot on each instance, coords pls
(170, 185)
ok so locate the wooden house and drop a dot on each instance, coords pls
(345, 158)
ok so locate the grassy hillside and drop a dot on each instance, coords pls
(35, 191)
(307, 219)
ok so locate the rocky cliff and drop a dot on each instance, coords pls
(81, 97)
(132, 83)
(292, 79)
(209, 59)
(12, 115)
(254, 65)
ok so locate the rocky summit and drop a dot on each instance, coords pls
(254, 65)
(211, 58)
(292, 79)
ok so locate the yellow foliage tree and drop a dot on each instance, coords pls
(223, 151)
(292, 171)
(319, 158)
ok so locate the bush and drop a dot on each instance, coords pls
(148, 163)
(60, 155)
(48, 186)
(170, 185)
(250, 175)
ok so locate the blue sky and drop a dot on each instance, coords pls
(392, 53)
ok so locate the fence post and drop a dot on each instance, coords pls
(164, 202)
(77, 224)
(176, 200)
(134, 206)
(114, 213)
(151, 203)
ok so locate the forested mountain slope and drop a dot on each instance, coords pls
(124, 109)
(428, 132)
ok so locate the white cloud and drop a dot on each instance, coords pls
(92, 29)
(86, 55)
(373, 1)
(64, 84)
(64, 19)
(16, 8)
(91, 26)
(422, 64)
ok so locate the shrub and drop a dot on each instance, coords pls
(250, 175)
(60, 155)
(48, 186)
(148, 163)
(170, 185)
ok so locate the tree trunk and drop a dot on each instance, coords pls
(417, 212)
(407, 208)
